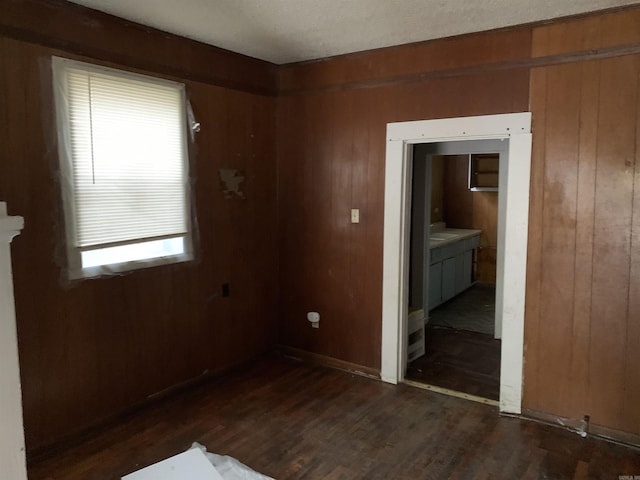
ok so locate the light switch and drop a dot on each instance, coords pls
(355, 215)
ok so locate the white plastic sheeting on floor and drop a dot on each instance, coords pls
(197, 464)
(229, 468)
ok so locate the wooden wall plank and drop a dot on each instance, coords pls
(573, 36)
(586, 202)
(585, 33)
(612, 239)
(620, 28)
(437, 189)
(383, 108)
(485, 218)
(365, 195)
(532, 340)
(631, 412)
(458, 199)
(558, 231)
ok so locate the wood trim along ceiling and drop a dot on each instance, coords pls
(547, 60)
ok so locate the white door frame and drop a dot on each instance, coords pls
(513, 220)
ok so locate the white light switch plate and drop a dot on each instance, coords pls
(355, 215)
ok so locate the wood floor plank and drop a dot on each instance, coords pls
(290, 420)
(459, 360)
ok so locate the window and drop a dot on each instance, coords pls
(124, 169)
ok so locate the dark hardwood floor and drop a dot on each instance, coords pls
(460, 351)
(292, 421)
(459, 360)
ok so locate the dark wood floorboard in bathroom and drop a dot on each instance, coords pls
(291, 420)
(459, 360)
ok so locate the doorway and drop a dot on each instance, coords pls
(452, 268)
(513, 208)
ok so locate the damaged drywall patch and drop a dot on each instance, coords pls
(230, 180)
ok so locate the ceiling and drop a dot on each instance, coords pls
(284, 31)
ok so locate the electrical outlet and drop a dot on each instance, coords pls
(314, 318)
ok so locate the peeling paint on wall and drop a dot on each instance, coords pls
(230, 180)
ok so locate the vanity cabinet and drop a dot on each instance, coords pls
(451, 269)
(435, 285)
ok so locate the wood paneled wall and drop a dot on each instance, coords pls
(410, 64)
(83, 31)
(476, 210)
(437, 188)
(583, 274)
(583, 280)
(93, 350)
(331, 147)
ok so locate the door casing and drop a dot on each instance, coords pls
(513, 219)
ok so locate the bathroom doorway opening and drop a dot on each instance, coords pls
(453, 343)
(515, 131)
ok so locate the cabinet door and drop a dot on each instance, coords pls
(435, 285)
(466, 266)
(460, 280)
(448, 279)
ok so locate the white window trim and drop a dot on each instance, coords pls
(73, 265)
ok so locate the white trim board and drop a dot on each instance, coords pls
(12, 448)
(513, 220)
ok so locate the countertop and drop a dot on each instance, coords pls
(446, 236)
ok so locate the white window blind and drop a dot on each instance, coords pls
(126, 156)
